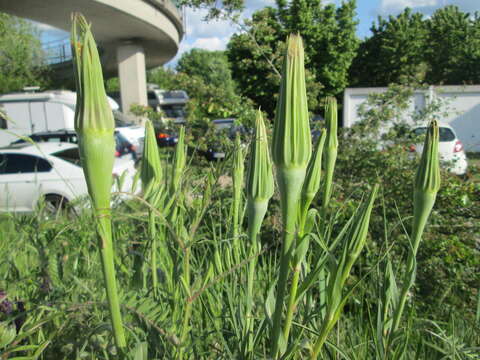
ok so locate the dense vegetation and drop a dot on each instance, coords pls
(199, 277)
(50, 268)
(184, 251)
(21, 55)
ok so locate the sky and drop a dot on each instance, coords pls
(214, 35)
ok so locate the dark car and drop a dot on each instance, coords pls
(122, 145)
(217, 152)
(166, 138)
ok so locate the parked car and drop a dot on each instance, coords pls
(217, 152)
(450, 148)
(49, 172)
(134, 133)
(123, 147)
(166, 138)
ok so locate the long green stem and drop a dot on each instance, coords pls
(248, 331)
(105, 238)
(320, 341)
(257, 211)
(292, 301)
(153, 253)
(188, 306)
(421, 214)
(291, 183)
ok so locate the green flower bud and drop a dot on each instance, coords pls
(179, 162)
(331, 148)
(238, 174)
(427, 183)
(94, 125)
(314, 173)
(151, 170)
(94, 122)
(260, 184)
(291, 136)
(291, 152)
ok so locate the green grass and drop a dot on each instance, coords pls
(474, 166)
(54, 268)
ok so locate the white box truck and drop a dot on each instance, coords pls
(27, 113)
(463, 108)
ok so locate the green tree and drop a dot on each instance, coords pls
(207, 101)
(21, 55)
(395, 53)
(163, 77)
(216, 9)
(330, 45)
(211, 66)
(453, 50)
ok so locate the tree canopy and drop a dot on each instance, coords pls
(394, 53)
(409, 48)
(21, 55)
(330, 45)
(211, 66)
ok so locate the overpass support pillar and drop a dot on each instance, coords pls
(131, 73)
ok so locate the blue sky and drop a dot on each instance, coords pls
(215, 35)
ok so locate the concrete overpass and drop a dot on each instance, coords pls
(132, 34)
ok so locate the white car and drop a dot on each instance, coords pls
(450, 148)
(134, 133)
(50, 172)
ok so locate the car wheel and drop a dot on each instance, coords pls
(56, 205)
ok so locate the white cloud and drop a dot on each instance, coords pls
(197, 27)
(211, 43)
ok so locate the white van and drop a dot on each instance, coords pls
(29, 112)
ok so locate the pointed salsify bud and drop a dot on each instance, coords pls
(331, 148)
(95, 126)
(355, 240)
(314, 174)
(291, 136)
(238, 174)
(292, 148)
(151, 172)
(291, 151)
(260, 183)
(427, 183)
(179, 162)
(238, 164)
(94, 122)
(357, 236)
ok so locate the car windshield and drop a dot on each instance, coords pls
(446, 134)
(71, 155)
(173, 111)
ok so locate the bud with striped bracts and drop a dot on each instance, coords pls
(95, 126)
(260, 182)
(427, 184)
(291, 151)
(331, 149)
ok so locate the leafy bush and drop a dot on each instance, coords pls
(448, 262)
